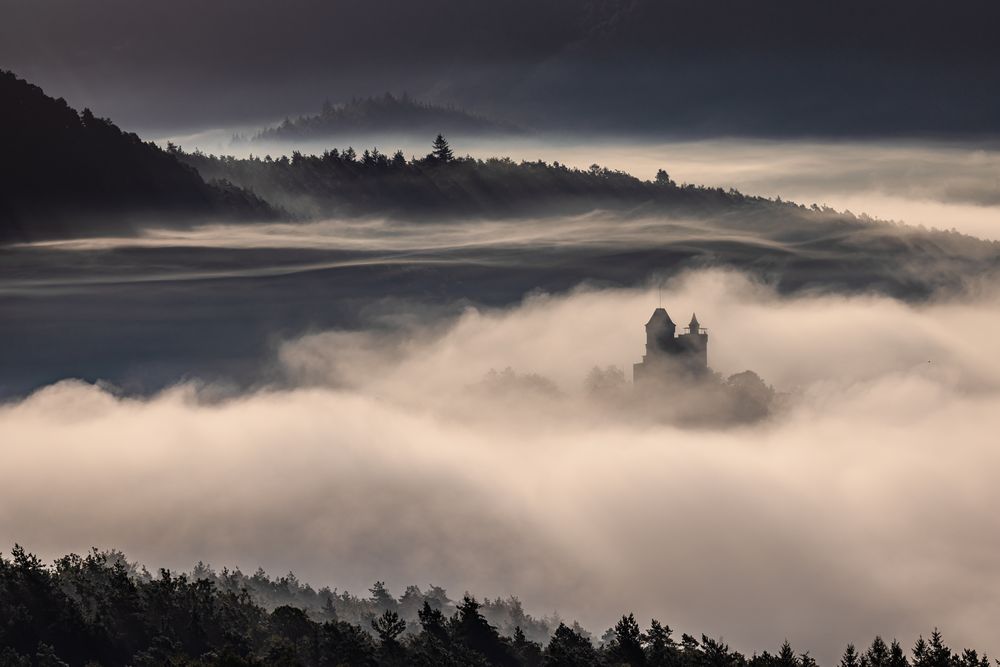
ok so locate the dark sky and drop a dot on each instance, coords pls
(674, 66)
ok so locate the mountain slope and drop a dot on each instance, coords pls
(65, 173)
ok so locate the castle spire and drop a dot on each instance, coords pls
(694, 327)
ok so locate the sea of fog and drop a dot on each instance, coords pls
(864, 504)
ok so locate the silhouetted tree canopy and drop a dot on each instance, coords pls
(101, 610)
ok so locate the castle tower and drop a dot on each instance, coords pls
(660, 332)
(668, 355)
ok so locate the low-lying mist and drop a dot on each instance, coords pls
(864, 505)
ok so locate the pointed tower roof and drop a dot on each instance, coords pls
(660, 317)
(694, 321)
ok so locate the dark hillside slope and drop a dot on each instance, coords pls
(64, 173)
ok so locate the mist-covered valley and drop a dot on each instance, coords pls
(429, 340)
(384, 456)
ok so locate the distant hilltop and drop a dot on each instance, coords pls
(384, 114)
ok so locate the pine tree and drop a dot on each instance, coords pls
(850, 658)
(433, 621)
(569, 649)
(388, 626)
(627, 644)
(381, 597)
(921, 653)
(896, 656)
(787, 657)
(939, 655)
(660, 646)
(878, 653)
(528, 652)
(442, 151)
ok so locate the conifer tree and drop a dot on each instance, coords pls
(896, 656)
(388, 626)
(627, 643)
(569, 649)
(528, 652)
(850, 657)
(442, 151)
(878, 653)
(921, 653)
(660, 646)
(786, 656)
(939, 655)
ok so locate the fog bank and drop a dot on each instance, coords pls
(865, 506)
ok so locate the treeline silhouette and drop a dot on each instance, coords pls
(100, 610)
(65, 173)
(345, 182)
(384, 114)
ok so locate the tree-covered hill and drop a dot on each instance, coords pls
(64, 173)
(100, 610)
(442, 185)
(348, 183)
(385, 115)
(720, 225)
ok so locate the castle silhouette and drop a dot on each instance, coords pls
(669, 355)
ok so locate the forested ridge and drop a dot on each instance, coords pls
(442, 184)
(69, 173)
(101, 610)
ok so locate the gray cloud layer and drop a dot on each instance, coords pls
(865, 506)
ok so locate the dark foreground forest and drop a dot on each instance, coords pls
(101, 610)
(65, 173)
